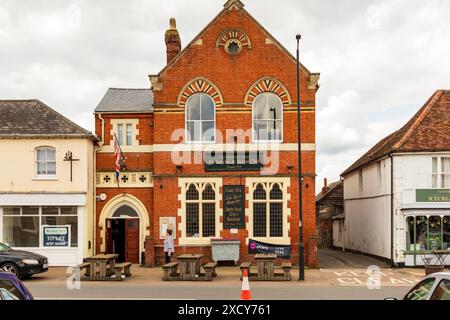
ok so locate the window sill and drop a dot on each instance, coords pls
(44, 178)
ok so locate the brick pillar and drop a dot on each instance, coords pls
(311, 252)
(149, 252)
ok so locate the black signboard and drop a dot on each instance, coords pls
(233, 161)
(234, 207)
(255, 247)
(56, 236)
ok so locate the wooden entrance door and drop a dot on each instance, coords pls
(132, 240)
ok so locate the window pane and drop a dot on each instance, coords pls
(63, 221)
(192, 193)
(41, 156)
(192, 220)
(276, 219)
(260, 109)
(446, 181)
(446, 236)
(435, 233)
(30, 211)
(275, 106)
(51, 168)
(194, 130)
(209, 220)
(208, 193)
(50, 211)
(445, 165)
(41, 168)
(21, 231)
(260, 128)
(207, 107)
(193, 108)
(120, 134)
(275, 129)
(259, 220)
(51, 154)
(259, 193)
(442, 291)
(129, 134)
(276, 193)
(434, 181)
(410, 234)
(420, 291)
(421, 233)
(208, 131)
(69, 211)
(11, 211)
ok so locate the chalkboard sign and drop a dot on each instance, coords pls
(56, 236)
(234, 207)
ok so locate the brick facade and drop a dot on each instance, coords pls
(233, 76)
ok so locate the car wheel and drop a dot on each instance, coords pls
(10, 268)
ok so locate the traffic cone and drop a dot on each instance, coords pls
(245, 293)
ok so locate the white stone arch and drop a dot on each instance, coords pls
(115, 203)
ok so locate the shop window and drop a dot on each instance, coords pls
(428, 233)
(441, 172)
(268, 214)
(267, 117)
(200, 118)
(45, 161)
(22, 226)
(201, 211)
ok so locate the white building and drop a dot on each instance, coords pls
(42, 192)
(397, 196)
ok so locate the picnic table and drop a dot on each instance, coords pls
(189, 265)
(189, 269)
(265, 264)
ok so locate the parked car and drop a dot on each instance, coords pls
(21, 263)
(11, 288)
(435, 286)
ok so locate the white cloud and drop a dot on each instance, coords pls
(5, 21)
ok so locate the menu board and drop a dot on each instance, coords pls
(234, 207)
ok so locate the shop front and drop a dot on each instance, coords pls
(51, 225)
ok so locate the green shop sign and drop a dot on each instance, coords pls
(433, 195)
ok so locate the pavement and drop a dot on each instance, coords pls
(342, 276)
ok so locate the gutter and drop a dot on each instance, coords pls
(392, 210)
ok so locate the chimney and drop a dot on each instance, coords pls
(173, 41)
(325, 188)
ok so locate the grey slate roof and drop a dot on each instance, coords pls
(33, 118)
(126, 100)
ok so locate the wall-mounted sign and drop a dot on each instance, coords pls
(255, 247)
(233, 161)
(234, 207)
(167, 223)
(56, 236)
(433, 195)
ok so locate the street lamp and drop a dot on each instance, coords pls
(301, 246)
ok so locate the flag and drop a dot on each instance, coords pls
(117, 153)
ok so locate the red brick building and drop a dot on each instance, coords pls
(221, 113)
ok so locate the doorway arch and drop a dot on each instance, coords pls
(125, 204)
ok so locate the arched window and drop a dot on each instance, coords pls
(268, 211)
(200, 211)
(45, 161)
(200, 118)
(267, 117)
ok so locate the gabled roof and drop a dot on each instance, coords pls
(330, 189)
(126, 100)
(427, 131)
(34, 119)
(232, 5)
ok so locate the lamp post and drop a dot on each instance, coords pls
(301, 247)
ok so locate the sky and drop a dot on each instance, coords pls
(379, 60)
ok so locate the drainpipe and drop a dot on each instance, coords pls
(392, 210)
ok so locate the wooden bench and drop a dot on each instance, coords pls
(287, 266)
(122, 267)
(81, 267)
(170, 271)
(210, 270)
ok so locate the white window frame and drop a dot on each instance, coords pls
(119, 127)
(439, 174)
(36, 161)
(254, 135)
(186, 131)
